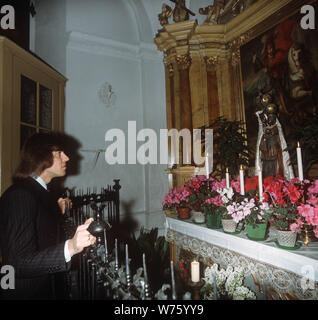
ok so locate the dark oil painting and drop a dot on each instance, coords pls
(283, 62)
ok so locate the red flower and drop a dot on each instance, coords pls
(251, 183)
(294, 193)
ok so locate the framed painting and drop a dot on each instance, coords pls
(281, 62)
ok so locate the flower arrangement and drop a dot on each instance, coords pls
(308, 211)
(249, 210)
(284, 197)
(225, 284)
(178, 197)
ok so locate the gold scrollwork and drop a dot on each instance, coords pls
(235, 45)
(211, 62)
(184, 61)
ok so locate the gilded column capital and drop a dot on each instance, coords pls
(184, 61)
(211, 62)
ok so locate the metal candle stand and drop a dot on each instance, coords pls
(100, 275)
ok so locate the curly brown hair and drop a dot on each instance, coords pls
(36, 154)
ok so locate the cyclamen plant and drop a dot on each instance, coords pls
(284, 196)
(308, 211)
(248, 210)
(177, 198)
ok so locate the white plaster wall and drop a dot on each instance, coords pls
(91, 43)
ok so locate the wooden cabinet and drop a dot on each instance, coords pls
(31, 100)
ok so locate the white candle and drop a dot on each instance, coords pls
(127, 260)
(116, 252)
(260, 184)
(207, 169)
(242, 181)
(195, 271)
(299, 163)
(173, 283)
(145, 268)
(227, 178)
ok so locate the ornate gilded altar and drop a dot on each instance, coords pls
(203, 72)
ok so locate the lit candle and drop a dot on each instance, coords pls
(207, 169)
(227, 178)
(242, 181)
(260, 184)
(127, 260)
(299, 163)
(195, 271)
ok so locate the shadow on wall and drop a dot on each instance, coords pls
(126, 227)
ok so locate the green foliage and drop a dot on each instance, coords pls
(284, 217)
(230, 145)
(157, 253)
(307, 135)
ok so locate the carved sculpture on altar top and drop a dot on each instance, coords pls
(221, 11)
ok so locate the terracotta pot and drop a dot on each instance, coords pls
(183, 213)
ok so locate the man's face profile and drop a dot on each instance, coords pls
(58, 168)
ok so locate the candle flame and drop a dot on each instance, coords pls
(298, 144)
(227, 170)
(241, 167)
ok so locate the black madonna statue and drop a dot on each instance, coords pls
(271, 154)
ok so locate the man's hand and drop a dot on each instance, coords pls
(64, 203)
(81, 239)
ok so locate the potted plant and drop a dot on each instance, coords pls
(182, 201)
(199, 191)
(256, 213)
(230, 145)
(308, 211)
(284, 197)
(229, 197)
(213, 208)
(169, 204)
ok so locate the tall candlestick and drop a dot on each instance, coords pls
(127, 260)
(195, 271)
(173, 283)
(260, 184)
(105, 243)
(227, 178)
(207, 167)
(242, 181)
(299, 163)
(116, 254)
(214, 287)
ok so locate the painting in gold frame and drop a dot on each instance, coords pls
(282, 61)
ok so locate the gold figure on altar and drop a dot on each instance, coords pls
(165, 14)
(213, 11)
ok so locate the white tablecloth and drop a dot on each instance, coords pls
(303, 261)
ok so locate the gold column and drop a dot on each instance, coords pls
(212, 88)
(184, 63)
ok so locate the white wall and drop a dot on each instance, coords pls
(106, 41)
